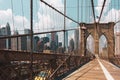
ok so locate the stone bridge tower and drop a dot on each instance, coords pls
(97, 30)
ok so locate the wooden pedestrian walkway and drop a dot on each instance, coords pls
(97, 69)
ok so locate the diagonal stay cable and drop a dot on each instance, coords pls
(59, 11)
(102, 10)
(60, 66)
(92, 3)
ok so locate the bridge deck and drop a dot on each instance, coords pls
(96, 70)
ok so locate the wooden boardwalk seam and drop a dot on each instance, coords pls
(94, 71)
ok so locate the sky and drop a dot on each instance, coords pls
(17, 13)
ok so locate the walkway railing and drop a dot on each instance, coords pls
(15, 65)
(115, 60)
(68, 64)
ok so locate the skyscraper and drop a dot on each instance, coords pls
(35, 40)
(71, 45)
(5, 31)
(66, 39)
(8, 33)
(28, 31)
(54, 41)
(15, 41)
(76, 37)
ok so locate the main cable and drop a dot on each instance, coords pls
(59, 11)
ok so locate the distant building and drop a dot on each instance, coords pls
(60, 48)
(15, 41)
(117, 43)
(19, 43)
(28, 31)
(23, 43)
(35, 40)
(40, 46)
(66, 39)
(5, 31)
(71, 45)
(49, 36)
(76, 37)
(2, 41)
(54, 41)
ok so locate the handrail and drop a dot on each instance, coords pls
(59, 66)
(117, 59)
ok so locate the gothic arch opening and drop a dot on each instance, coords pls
(103, 46)
(90, 44)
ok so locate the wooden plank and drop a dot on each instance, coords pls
(91, 71)
(113, 70)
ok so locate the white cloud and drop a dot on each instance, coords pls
(112, 15)
(49, 19)
(99, 6)
(8, 16)
(56, 3)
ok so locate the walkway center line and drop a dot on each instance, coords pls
(106, 73)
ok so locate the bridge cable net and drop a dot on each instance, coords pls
(48, 40)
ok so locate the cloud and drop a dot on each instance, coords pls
(8, 16)
(99, 6)
(49, 19)
(112, 15)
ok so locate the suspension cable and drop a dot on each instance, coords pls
(102, 10)
(92, 3)
(37, 14)
(42, 15)
(12, 14)
(58, 11)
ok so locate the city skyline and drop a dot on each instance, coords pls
(46, 19)
(19, 14)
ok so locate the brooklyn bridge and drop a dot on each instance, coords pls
(60, 40)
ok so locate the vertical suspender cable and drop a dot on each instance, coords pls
(78, 11)
(102, 11)
(111, 11)
(93, 10)
(89, 12)
(13, 21)
(41, 5)
(64, 23)
(115, 5)
(81, 10)
(78, 28)
(31, 26)
(12, 14)
(37, 15)
(22, 13)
